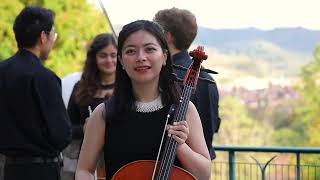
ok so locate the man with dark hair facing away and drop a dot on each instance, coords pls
(181, 28)
(35, 127)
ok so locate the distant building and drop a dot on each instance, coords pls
(259, 98)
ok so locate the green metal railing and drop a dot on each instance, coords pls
(232, 150)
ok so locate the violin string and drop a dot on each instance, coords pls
(170, 156)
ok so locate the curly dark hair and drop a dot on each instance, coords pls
(181, 23)
(90, 80)
(29, 24)
(123, 98)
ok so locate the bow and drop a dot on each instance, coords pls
(108, 20)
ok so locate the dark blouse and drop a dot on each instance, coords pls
(79, 113)
(133, 136)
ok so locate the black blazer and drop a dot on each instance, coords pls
(33, 118)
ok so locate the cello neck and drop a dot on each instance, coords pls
(167, 156)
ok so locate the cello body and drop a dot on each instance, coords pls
(143, 170)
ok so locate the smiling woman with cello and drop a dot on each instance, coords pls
(129, 127)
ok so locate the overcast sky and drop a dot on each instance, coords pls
(218, 14)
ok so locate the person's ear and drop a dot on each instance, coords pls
(165, 56)
(43, 37)
(169, 37)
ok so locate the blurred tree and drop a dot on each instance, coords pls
(76, 23)
(289, 129)
(301, 127)
(305, 125)
(8, 11)
(238, 128)
(309, 109)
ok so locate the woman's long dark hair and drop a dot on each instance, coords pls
(123, 99)
(90, 80)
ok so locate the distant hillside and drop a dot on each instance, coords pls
(246, 53)
(230, 40)
(251, 53)
(293, 39)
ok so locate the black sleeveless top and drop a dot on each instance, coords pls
(133, 136)
(78, 113)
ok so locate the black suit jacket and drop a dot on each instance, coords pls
(33, 118)
(206, 99)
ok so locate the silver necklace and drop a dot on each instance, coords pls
(146, 107)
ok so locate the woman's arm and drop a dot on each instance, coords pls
(92, 145)
(193, 153)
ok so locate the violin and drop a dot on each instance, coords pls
(163, 168)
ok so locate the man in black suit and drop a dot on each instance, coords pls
(180, 26)
(35, 127)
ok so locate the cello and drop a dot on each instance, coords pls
(163, 168)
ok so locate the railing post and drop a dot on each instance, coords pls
(298, 166)
(231, 165)
(263, 167)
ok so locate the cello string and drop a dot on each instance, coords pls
(163, 133)
(173, 143)
(183, 103)
(170, 156)
(163, 163)
(169, 160)
(170, 151)
(168, 144)
(184, 111)
(181, 114)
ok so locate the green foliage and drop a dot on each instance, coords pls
(301, 126)
(287, 137)
(277, 114)
(289, 129)
(304, 124)
(238, 128)
(309, 109)
(8, 10)
(76, 23)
